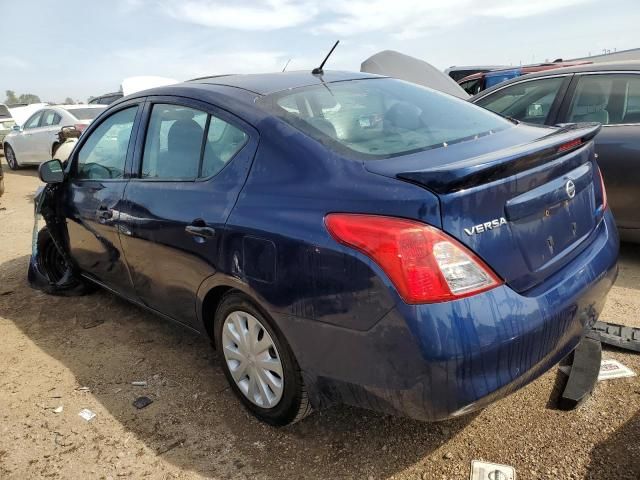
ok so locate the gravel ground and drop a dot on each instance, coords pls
(195, 428)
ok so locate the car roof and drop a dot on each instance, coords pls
(627, 66)
(266, 83)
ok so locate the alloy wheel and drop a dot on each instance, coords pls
(252, 358)
(11, 157)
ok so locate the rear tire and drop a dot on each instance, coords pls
(289, 405)
(10, 155)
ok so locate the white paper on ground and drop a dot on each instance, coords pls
(491, 471)
(608, 369)
(87, 414)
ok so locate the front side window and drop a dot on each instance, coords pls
(177, 147)
(381, 118)
(104, 154)
(34, 121)
(529, 101)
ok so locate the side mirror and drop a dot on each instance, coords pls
(16, 128)
(51, 172)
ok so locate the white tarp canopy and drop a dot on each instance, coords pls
(22, 114)
(410, 69)
(136, 84)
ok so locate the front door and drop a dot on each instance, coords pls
(25, 148)
(189, 169)
(93, 196)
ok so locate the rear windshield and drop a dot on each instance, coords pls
(85, 113)
(4, 112)
(381, 118)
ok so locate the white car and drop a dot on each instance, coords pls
(36, 140)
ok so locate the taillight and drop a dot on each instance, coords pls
(603, 190)
(423, 262)
(80, 127)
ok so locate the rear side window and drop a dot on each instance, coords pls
(177, 147)
(104, 154)
(529, 101)
(50, 118)
(381, 118)
(609, 99)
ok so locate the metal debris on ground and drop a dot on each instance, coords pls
(142, 402)
(141, 383)
(87, 414)
(82, 389)
(58, 409)
(491, 471)
(617, 335)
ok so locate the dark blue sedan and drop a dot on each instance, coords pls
(342, 238)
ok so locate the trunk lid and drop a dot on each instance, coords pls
(524, 199)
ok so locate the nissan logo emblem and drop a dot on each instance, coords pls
(570, 188)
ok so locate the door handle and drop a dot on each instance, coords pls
(197, 231)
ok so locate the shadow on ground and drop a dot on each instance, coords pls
(618, 456)
(107, 343)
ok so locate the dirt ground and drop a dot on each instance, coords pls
(50, 347)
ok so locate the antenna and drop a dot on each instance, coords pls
(286, 65)
(318, 70)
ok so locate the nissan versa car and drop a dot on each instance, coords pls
(607, 93)
(342, 237)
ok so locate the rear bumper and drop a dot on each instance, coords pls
(436, 361)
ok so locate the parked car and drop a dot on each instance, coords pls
(6, 122)
(607, 93)
(106, 99)
(342, 237)
(37, 140)
(476, 83)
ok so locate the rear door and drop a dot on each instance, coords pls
(93, 196)
(46, 135)
(190, 164)
(612, 99)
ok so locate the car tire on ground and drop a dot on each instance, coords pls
(266, 376)
(62, 280)
(10, 155)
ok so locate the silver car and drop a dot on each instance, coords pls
(36, 141)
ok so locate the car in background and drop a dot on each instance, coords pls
(458, 73)
(341, 237)
(6, 122)
(607, 93)
(37, 140)
(476, 83)
(106, 99)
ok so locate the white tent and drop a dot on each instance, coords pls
(401, 66)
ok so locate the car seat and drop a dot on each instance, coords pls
(182, 157)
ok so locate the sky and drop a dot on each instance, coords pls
(59, 49)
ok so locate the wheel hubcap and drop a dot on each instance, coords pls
(253, 359)
(10, 157)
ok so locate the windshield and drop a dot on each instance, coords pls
(380, 118)
(85, 113)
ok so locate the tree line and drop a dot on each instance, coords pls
(11, 98)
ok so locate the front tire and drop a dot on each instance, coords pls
(10, 155)
(258, 363)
